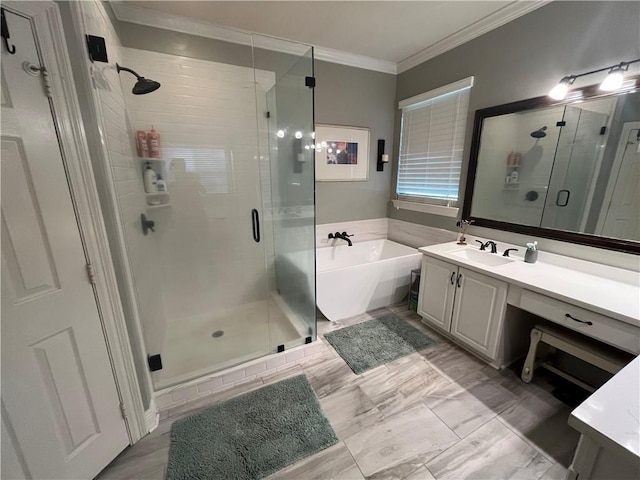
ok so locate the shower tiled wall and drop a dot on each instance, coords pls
(205, 113)
(117, 144)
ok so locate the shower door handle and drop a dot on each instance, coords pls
(566, 200)
(255, 219)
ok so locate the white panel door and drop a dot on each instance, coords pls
(478, 311)
(623, 215)
(437, 290)
(61, 413)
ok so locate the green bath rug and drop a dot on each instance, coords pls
(250, 436)
(375, 342)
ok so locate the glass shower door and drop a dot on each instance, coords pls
(290, 201)
(575, 166)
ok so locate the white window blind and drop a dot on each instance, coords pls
(431, 142)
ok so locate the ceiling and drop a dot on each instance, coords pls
(395, 32)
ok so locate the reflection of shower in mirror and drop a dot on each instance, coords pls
(540, 133)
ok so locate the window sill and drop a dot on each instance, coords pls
(426, 208)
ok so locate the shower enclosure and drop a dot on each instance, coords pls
(228, 272)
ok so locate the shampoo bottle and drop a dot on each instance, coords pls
(154, 143)
(149, 178)
(161, 185)
(514, 176)
(141, 143)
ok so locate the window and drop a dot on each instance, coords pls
(431, 142)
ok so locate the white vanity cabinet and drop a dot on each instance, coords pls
(437, 290)
(468, 305)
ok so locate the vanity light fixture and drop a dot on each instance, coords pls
(560, 90)
(613, 81)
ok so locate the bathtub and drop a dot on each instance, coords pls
(366, 276)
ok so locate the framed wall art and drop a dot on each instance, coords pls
(342, 153)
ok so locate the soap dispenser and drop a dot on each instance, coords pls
(531, 255)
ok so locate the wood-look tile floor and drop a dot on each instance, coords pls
(439, 413)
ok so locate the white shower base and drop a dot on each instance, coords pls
(190, 351)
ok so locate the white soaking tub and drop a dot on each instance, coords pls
(366, 276)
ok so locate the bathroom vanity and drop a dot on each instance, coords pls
(465, 293)
(470, 295)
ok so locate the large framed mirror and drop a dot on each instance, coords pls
(568, 171)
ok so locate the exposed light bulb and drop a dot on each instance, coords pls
(559, 92)
(329, 150)
(313, 135)
(323, 144)
(280, 134)
(614, 80)
(306, 147)
(298, 134)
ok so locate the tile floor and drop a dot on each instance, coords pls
(439, 413)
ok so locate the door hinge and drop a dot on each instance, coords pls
(47, 83)
(91, 272)
(123, 411)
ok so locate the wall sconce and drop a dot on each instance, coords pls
(613, 81)
(382, 157)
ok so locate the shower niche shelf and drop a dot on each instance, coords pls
(156, 200)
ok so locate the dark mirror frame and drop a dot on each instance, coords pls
(627, 246)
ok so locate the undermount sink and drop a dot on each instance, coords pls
(485, 258)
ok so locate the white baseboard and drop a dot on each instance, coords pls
(152, 417)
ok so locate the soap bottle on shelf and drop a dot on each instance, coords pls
(514, 176)
(154, 143)
(161, 185)
(531, 255)
(149, 179)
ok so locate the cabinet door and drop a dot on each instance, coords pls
(437, 289)
(478, 311)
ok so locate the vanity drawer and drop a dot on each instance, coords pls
(601, 327)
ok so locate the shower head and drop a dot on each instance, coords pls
(539, 133)
(143, 85)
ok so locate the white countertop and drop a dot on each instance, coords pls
(611, 291)
(611, 416)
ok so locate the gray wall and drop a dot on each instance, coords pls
(343, 96)
(524, 59)
(361, 98)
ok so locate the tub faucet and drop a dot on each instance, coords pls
(344, 236)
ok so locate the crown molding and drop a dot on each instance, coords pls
(354, 60)
(153, 18)
(482, 26)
